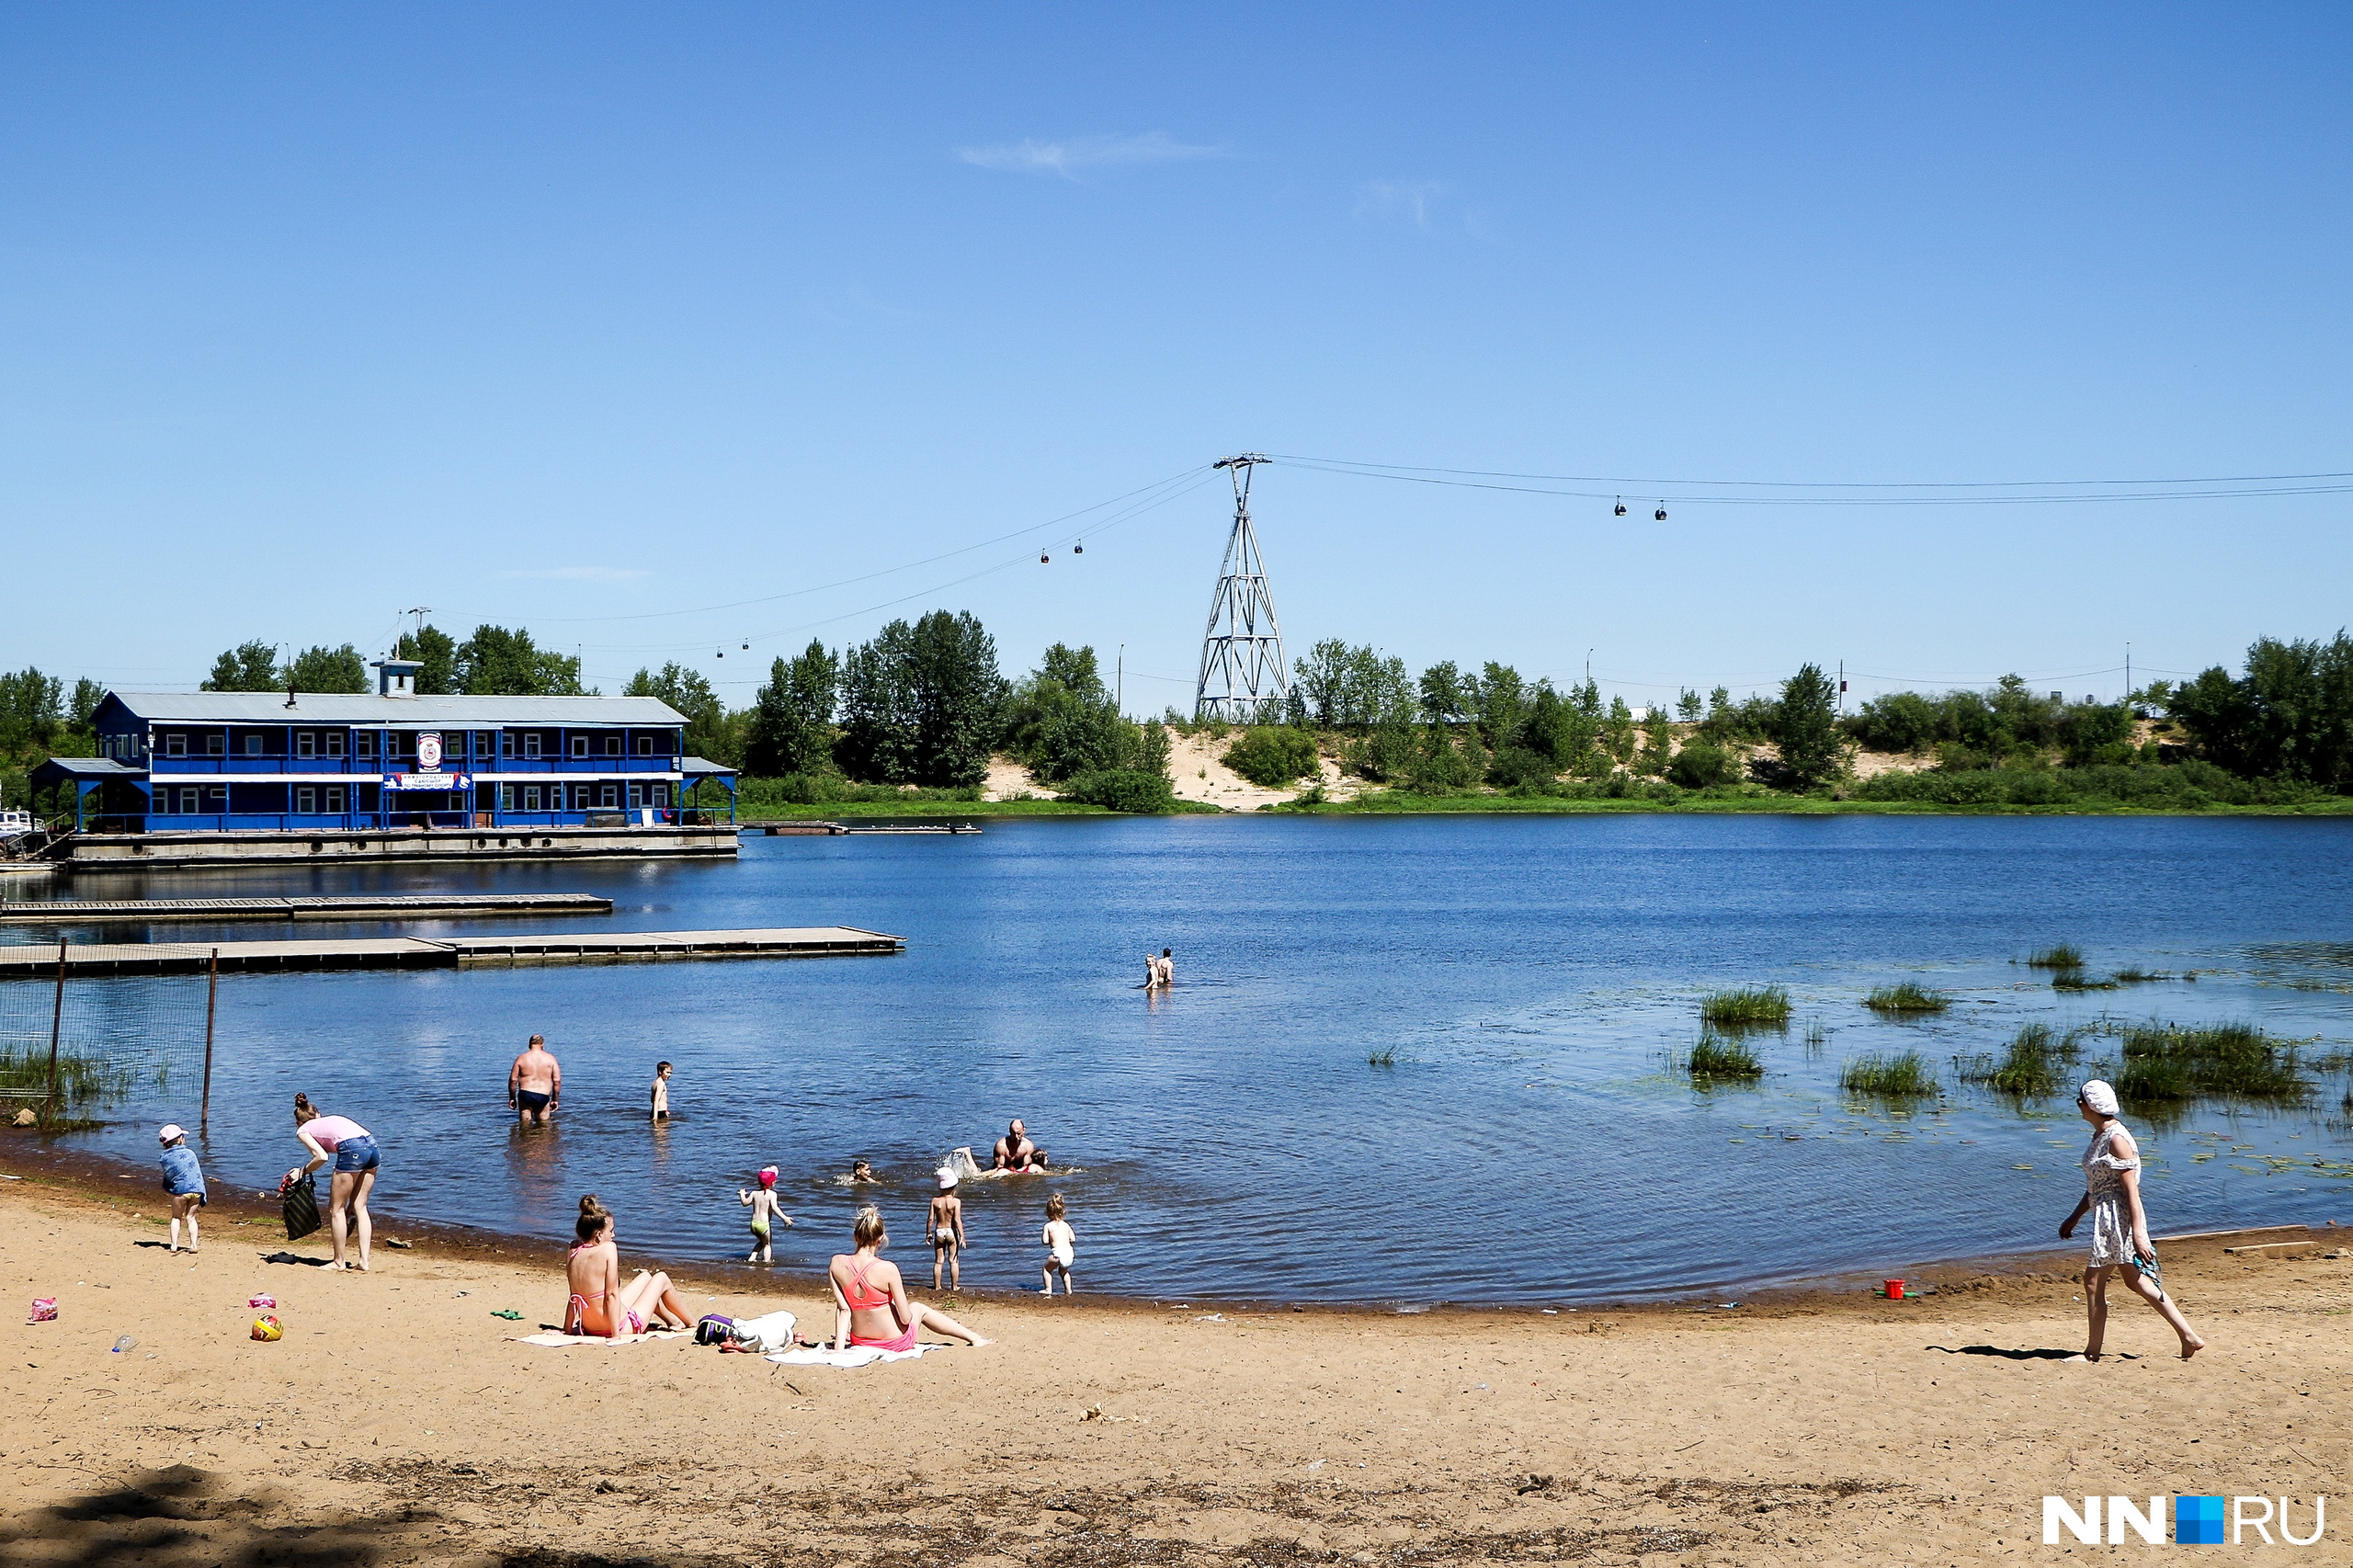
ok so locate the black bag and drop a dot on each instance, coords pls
(300, 1203)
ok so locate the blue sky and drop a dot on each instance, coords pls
(556, 315)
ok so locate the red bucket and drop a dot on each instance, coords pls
(1894, 1289)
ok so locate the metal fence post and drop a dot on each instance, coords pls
(211, 999)
(56, 1023)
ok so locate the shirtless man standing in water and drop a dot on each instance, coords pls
(534, 1084)
(1014, 1150)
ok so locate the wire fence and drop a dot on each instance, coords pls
(72, 1046)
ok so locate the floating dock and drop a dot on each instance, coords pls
(401, 906)
(806, 829)
(39, 960)
(115, 851)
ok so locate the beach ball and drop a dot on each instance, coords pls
(267, 1326)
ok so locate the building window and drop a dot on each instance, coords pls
(657, 794)
(531, 746)
(334, 742)
(485, 744)
(306, 744)
(363, 745)
(306, 800)
(252, 745)
(506, 742)
(191, 802)
(609, 796)
(612, 745)
(580, 745)
(645, 746)
(216, 745)
(530, 797)
(335, 798)
(175, 745)
(507, 797)
(636, 796)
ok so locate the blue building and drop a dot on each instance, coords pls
(246, 763)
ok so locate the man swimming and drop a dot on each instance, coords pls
(1014, 1150)
(535, 1084)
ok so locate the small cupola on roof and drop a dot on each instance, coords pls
(397, 677)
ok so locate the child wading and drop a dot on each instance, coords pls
(1062, 1242)
(183, 1180)
(764, 1209)
(945, 1230)
(661, 1111)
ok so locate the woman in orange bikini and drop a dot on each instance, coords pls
(600, 1304)
(871, 1304)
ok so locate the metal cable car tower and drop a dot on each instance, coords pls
(1243, 679)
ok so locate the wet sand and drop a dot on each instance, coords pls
(399, 1421)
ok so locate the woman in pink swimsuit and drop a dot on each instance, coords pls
(871, 1304)
(593, 1269)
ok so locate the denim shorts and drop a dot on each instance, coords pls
(356, 1154)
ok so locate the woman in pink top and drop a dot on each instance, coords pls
(352, 1150)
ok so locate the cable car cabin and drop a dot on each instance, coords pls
(307, 762)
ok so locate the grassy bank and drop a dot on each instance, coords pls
(1396, 803)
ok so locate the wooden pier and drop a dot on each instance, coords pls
(39, 960)
(811, 829)
(400, 907)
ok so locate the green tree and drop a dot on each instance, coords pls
(922, 703)
(82, 711)
(791, 728)
(1687, 707)
(32, 709)
(1061, 721)
(1446, 697)
(495, 661)
(326, 669)
(1618, 731)
(1502, 700)
(1273, 756)
(710, 730)
(1658, 741)
(2288, 717)
(436, 652)
(1805, 727)
(248, 666)
(1152, 748)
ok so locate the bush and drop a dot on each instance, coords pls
(1444, 764)
(2186, 786)
(1122, 790)
(1515, 766)
(1273, 755)
(1703, 765)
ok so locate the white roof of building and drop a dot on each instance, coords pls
(394, 713)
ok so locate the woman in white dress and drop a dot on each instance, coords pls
(2120, 1226)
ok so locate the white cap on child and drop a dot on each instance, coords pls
(947, 1178)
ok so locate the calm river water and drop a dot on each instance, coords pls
(1530, 973)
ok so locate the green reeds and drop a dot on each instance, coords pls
(1816, 1037)
(2165, 1062)
(1386, 1057)
(1748, 1008)
(2030, 1067)
(2139, 976)
(2077, 980)
(1722, 1056)
(1907, 998)
(80, 1080)
(2061, 954)
(1895, 1075)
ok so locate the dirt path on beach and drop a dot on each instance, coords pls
(400, 1422)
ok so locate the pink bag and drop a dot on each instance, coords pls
(262, 1302)
(44, 1310)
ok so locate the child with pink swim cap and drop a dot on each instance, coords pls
(764, 1207)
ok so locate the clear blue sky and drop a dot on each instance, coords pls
(541, 314)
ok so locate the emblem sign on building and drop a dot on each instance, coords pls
(428, 751)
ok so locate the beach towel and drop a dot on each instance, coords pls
(855, 1357)
(560, 1340)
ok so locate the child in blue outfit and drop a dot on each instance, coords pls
(183, 1180)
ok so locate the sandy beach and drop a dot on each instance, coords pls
(400, 1421)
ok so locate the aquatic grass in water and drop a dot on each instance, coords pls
(1907, 998)
(2076, 980)
(1816, 1037)
(2165, 1062)
(2030, 1067)
(1748, 1008)
(80, 1080)
(2138, 976)
(1721, 1056)
(1895, 1075)
(1384, 1058)
(2064, 955)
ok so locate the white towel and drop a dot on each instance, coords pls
(856, 1355)
(564, 1339)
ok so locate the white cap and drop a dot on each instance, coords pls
(2099, 1095)
(170, 1131)
(947, 1178)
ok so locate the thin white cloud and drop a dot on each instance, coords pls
(1067, 158)
(580, 574)
(1409, 200)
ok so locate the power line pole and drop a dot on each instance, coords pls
(1120, 701)
(1243, 662)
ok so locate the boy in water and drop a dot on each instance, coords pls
(661, 1093)
(183, 1180)
(1061, 1243)
(945, 1230)
(764, 1208)
(861, 1172)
